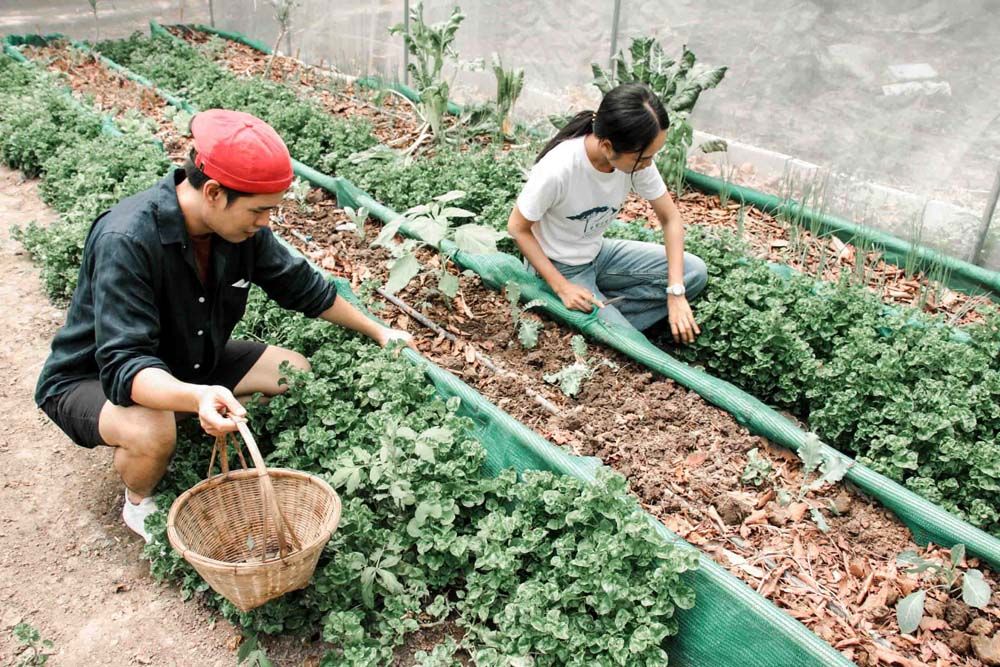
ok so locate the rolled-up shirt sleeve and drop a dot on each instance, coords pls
(126, 318)
(289, 279)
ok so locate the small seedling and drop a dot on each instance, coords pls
(975, 591)
(527, 328)
(32, 645)
(283, 17)
(818, 470)
(570, 379)
(757, 469)
(358, 218)
(298, 192)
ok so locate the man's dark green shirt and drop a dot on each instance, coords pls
(140, 304)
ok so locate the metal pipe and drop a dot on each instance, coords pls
(482, 358)
(614, 37)
(211, 13)
(406, 49)
(991, 206)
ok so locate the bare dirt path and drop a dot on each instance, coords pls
(68, 566)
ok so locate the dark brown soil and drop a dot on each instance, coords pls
(683, 459)
(113, 93)
(391, 117)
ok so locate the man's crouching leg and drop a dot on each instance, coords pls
(265, 375)
(144, 440)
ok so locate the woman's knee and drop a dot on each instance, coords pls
(695, 274)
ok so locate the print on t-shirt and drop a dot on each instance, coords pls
(595, 219)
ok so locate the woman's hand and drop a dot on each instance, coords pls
(682, 324)
(575, 297)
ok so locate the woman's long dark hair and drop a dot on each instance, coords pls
(630, 117)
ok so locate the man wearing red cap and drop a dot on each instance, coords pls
(164, 280)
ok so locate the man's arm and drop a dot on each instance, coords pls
(343, 313)
(682, 322)
(215, 405)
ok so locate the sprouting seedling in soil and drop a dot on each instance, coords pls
(298, 192)
(975, 591)
(31, 643)
(283, 16)
(433, 223)
(570, 379)
(358, 218)
(527, 328)
(818, 470)
(757, 470)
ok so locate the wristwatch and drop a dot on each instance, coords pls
(676, 290)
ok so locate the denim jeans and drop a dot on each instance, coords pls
(636, 271)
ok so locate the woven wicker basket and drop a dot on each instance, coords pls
(253, 534)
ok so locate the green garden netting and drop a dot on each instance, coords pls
(730, 624)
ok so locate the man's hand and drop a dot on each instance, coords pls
(682, 324)
(218, 410)
(575, 297)
(385, 335)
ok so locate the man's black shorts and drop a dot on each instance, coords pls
(77, 410)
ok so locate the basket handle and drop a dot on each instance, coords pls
(269, 501)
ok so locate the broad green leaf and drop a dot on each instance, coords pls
(424, 451)
(439, 434)
(819, 520)
(389, 230)
(834, 468)
(975, 591)
(957, 554)
(414, 211)
(428, 230)
(401, 273)
(452, 212)
(448, 284)
(910, 611)
(390, 582)
(478, 239)
(714, 146)
(453, 195)
(527, 332)
(811, 452)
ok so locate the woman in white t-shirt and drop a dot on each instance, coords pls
(576, 189)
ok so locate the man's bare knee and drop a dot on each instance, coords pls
(139, 430)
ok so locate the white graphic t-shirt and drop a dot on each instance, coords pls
(572, 203)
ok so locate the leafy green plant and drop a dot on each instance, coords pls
(430, 47)
(757, 470)
(433, 224)
(570, 378)
(252, 654)
(974, 589)
(358, 218)
(312, 135)
(527, 328)
(510, 83)
(677, 83)
(32, 646)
